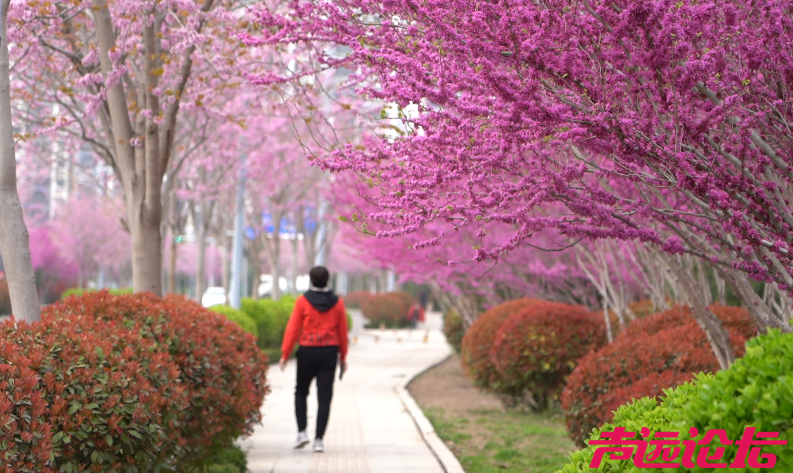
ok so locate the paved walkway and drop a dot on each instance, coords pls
(369, 428)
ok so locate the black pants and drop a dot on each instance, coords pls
(320, 363)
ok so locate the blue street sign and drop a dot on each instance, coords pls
(288, 225)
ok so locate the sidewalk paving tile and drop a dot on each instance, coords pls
(369, 428)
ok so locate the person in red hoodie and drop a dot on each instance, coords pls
(319, 325)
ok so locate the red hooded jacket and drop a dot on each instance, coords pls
(311, 328)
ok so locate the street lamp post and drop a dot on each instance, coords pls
(321, 258)
(239, 221)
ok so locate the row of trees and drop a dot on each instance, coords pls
(520, 129)
(660, 123)
(86, 235)
(158, 91)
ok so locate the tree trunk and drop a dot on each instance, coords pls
(224, 260)
(371, 280)
(14, 238)
(712, 326)
(201, 273)
(309, 241)
(343, 283)
(295, 265)
(462, 305)
(257, 277)
(653, 276)
(762, 315)
(141, 168)
(609, 335)
(273, 249)
(141, 171)
(275, 265)
(146, 257)
(172, 264)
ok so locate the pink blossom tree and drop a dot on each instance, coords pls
(595, 119)
(13, 231)
(118, 76)
(54, 273)
(548, 271)
(87, 233)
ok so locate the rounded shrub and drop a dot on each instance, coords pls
(478, 341)
(536, 349)
(108, 406)
(404, 298)
(356, 299)
(652, 354)
(218, 365)
(453, 329)
(389, 309)
(646, 412)
(642, 308)
(239, 317)
(753, 392)
(271, 318)
(25, 429)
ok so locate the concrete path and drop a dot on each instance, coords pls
(369, 428)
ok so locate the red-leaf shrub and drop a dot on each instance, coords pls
(220, 366)
(535, 350)
(642, 308)
(654, 353)
(737, 319)
(356, 299)
(25, 433)
(478, 341)
(389, 309)
(406, 301)
(106, 407)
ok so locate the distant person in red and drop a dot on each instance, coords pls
(319, 325)
(416, 315)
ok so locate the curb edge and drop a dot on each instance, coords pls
(448, 461)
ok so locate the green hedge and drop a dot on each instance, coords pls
(753, 392)
(453, 329)
(270, 317)
(79, 291)
(230, 460)
(239, 317)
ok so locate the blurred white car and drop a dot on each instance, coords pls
(214, 296)
(266, 284)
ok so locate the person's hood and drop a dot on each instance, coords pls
(322, 301)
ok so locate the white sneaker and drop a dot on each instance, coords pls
(319, 447)
(302, 440)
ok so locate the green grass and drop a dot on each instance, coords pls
(488, 441)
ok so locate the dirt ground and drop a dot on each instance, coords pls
(446, 387)
(483, 436)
